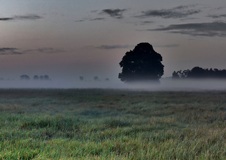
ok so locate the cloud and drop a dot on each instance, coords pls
(110, 47)
(167, 46)
(176, 12)
(114, 13)
(16, 51)
(21, 17)
(44, 50)
(81, 20)
(90, 19)
(97, 19)
(28, 17)
(146, 22)
(196, 29)
(6, 19)
(9, 51)
(217, 16)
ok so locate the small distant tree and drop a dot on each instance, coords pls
(96, 78)
(24, 77)
(197, 72)
(81, 78)
(41, 77)
(107, 79)
(46, 77)
(36, 77)
(175, 75)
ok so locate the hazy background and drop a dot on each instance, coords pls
(72, 38)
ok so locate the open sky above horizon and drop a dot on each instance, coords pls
(73, 38)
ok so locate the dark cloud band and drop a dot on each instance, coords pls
(115, 13)
(16, 51)
(218, 16)
(21, 17)
(91, 19)
(109, 47)
(196, 29)
(9, 51)
(176, 12)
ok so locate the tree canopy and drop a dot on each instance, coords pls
(141, 64)
(199, 73)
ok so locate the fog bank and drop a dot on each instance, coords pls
(164, 85)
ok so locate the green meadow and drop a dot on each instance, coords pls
(100, 124)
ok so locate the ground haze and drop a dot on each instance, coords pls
(165, 84)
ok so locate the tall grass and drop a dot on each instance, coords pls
(111, 124)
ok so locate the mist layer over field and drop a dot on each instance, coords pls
(184, 85)
(164, 85)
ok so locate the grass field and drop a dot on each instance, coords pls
(112, 124)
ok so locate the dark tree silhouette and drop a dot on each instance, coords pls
(36, 77)
(81, 78)
(96, 78)
(24, 77)
(141, 64)
(46, 77)
(199, 73)
(41, 77)
(175, 75)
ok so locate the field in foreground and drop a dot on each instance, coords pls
(112, 124)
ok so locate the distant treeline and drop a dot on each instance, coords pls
(36, 77)
(198, 72)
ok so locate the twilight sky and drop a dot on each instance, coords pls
(69, 38)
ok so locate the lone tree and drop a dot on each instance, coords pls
(141, 64)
